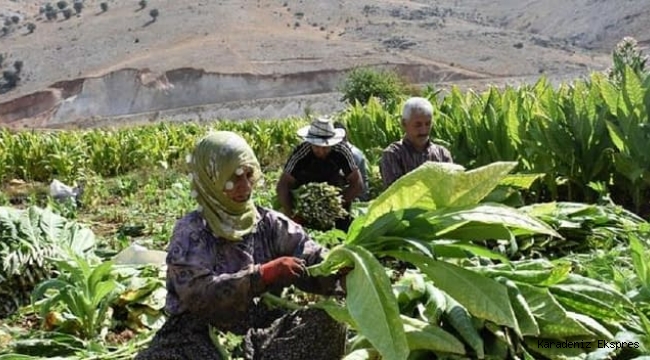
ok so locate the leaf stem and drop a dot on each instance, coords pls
(271, 299)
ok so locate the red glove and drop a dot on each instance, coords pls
(283, 269)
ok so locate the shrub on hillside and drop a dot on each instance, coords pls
(362, 83)
(11, 78)
(78, 6)
(51, 15)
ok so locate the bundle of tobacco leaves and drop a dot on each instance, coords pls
(319, 205)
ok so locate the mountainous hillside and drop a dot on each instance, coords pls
(442, 40)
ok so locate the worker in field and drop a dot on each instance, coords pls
(223, 256)
(359, 159)
(321, 157)
(415, 148)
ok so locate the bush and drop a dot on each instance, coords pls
(18, 65)
(67, 13)
(362, 83)
(11, 78)
(143, 4)
(104, 6)
(51, 15)
(62, 5)
(31, 27)
(78, 6)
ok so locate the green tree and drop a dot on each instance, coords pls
(78, 6)
(154, 14)
(362, 83)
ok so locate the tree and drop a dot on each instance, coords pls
(104, 6)
(18, 65)
(11, 78)
(51, 15)
(15, 19)
(62, 4)
(362, 83)
(143, 4)
(31, 27)
(78, 6)
(154, 14)
(67, 13)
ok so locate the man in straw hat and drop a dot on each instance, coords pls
(321, 157)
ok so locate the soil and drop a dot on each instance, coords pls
(467, 42)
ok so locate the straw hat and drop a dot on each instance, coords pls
(321, 132)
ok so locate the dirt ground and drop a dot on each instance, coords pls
(486, 40)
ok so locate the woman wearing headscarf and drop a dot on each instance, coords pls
(226, 254)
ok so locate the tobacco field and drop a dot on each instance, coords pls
(538, 235)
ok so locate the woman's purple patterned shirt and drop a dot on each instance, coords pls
(218, 278)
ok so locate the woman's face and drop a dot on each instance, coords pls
(240, 186)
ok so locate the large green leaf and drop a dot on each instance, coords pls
(476, 222)
(591, 300)
(609, 94)
(482, 296)
(533, 276)
(422, 335)
(617, 137)
(462, 249)
(552, 318)
(640, 261)
(431, 186)
(521, 181)
(370, 300)
(525, 318)
(633, 91)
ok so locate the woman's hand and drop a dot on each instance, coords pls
(284, 270)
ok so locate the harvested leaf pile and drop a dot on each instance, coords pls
(319, 204)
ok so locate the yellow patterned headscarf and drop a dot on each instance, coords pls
(216, 158)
